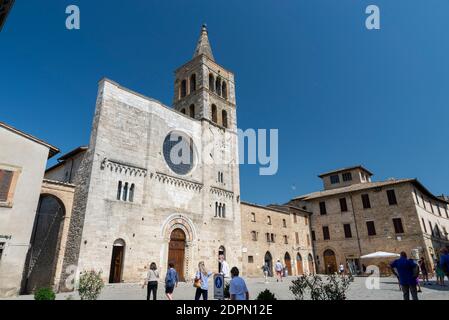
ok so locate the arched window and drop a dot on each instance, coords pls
(192, 111)
(214, 113)
(254, 235)
(125, 192)
(253, 217)
(224, 118)
(223, 211)
(221, 174)
(131, 193)
(216, 209)
(183, 111)
(218, 86)
(268, 219)
(183, 88)
(224, 90)
(211, 82)
(192, 83)
(119, 190)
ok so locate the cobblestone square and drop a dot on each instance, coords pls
(389, 290)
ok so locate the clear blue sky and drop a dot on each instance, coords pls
(339, 94)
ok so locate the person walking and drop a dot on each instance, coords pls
(237, 288)
(279, 268)
(439, 273)
(171, 281)
(265, 270)
(202, 281)
(407, 271)
(444, 262)
(423, 267)
(341, 269)
(151, 281)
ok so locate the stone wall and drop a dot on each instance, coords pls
(254, 251)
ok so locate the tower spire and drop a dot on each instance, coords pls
(203, 46)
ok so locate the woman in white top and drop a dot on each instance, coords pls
(151, 281)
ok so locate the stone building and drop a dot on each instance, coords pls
(23, 159)
(276, 233)
(157, 183)
(354, 216)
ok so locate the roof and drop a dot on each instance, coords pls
(73, 153)
(346, 169)
(67, 156)
(203, 46)
(367, 186)
(275, 207)
(52, 149)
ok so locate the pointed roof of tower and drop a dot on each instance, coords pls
(203, 46)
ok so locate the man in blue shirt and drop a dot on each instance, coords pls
(406, 271)
(238, 289)
(444, 261)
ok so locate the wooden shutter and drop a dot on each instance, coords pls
(5, 184)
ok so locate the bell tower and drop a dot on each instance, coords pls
(204, 90)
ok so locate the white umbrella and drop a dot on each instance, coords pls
(380, 254)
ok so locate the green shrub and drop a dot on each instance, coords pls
(44, 294)
(333, 287)
(90, 285)
(266, 295)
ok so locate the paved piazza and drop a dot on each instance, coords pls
(388, 291)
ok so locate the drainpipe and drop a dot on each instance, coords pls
(356, 229)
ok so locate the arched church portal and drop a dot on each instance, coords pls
(117, 260)
(269, 261)
(176, 251)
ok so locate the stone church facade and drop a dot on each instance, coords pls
(137, 205)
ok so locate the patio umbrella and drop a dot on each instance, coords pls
(380, 254)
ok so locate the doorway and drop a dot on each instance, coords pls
(221, 252)
(330, 261)
(311, 265)
(288, 263)
(118, 254)
(299, 267)
(269, 261)
(176, 251)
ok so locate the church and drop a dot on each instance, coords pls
(158, 183)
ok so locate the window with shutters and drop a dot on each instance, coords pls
(8, 178)
(326, 234)
(343, 205)
(391, 195)
(371, 228)
(348, 231)
(347, 176)
(424, 225)
(398, 227)
(365, 201)
(335, 179)
(323, 210)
